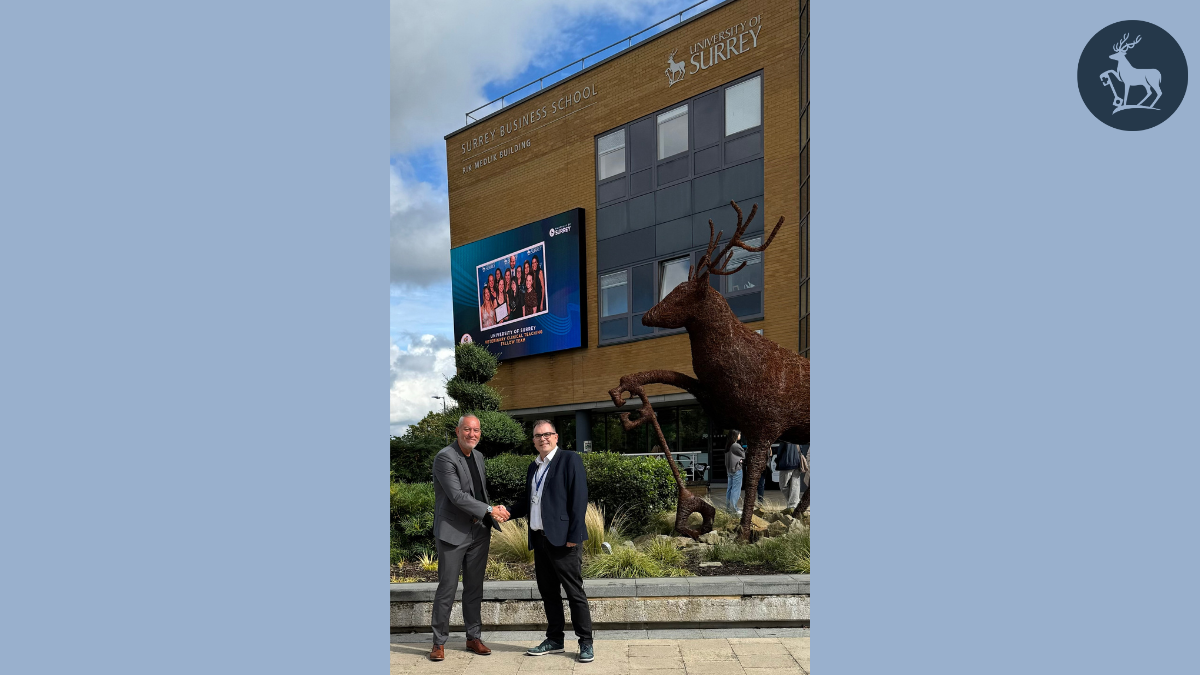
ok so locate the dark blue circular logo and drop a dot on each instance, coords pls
(1132, 75)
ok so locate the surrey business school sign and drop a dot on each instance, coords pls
(720, 46)
(508, 136)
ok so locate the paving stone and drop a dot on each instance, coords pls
(783, 660)
(771, 647)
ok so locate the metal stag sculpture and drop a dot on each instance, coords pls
(743, 380)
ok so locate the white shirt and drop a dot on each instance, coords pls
(535, 498)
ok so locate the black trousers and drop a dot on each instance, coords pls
(561, 567)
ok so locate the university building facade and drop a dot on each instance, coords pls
(652, 143)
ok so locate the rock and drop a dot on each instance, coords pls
(710, 564)
(770, 516)
(796, 526)
(757, 523)
(663, 536)
(683, 541)
(711, 538)
(629, 543)
(641, 541)
(785, 519)
(695, 519)
(776, 528)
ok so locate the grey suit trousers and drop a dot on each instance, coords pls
(469, 557)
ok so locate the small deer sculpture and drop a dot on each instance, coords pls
(743, 380)
(673, 68)
(1135, 77)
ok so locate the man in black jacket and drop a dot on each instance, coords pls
(555, 501)
(791, 475)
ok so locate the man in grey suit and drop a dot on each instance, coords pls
(461, 530)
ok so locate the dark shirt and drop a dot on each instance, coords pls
(477, 483)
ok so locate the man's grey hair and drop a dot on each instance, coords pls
(541, 422)
(460, 420)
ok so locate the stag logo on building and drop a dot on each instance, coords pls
(721, 46)
(1132, 75)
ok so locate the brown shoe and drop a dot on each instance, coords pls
(478, 647)
(438, 653)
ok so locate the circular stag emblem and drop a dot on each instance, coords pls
(1132, 75)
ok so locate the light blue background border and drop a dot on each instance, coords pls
(1004, 344)
(195, 287)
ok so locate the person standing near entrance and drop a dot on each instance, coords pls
(791, 476)
(555, 501)
(461, 520)
(734, 456)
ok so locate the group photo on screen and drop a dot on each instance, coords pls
(512, 287)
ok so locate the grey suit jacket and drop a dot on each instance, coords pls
(456, 507)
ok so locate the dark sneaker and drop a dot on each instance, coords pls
(548, 646)
(585, 654)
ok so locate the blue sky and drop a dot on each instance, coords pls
(446, 59)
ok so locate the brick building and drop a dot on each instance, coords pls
(651, 143)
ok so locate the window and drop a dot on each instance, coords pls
(671, 273)
(673, 132)
(750, 277)
(613, 296)
(611, 153)
(743, 106)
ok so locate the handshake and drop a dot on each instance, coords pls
(499, 513)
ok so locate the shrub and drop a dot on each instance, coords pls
(598, 532)
(511, 543)
(506, 477)
(636, 487)
(498, 571)
(789, 553)
(428, 562)
(412, 455)
(663, 551)
(412, 520)
(624, 563)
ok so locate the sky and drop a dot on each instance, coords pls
(448, 58)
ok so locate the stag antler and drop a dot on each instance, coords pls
(710, 264)
(1121, 47)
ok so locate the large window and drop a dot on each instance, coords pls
(614, 298)
(743, 106)
(612, 154)
(671, 273)
(673, 132)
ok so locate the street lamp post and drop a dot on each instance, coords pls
(443, 402)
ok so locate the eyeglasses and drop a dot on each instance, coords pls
(545, 435)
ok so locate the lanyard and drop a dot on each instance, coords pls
(537, 483)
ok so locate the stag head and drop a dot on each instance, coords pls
(689, 298)
(1123, 46)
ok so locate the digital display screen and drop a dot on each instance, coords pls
(518, 293)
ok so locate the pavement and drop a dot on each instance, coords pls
(733, 651)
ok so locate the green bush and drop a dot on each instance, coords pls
(628, 563)
(506, 477)
(473, 395)
(789, 553)
(412, 520)
(664, 552)
(474, 363)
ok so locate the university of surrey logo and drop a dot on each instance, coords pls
(1141, 97)
(675, 69)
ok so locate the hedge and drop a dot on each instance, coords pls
(412, 520)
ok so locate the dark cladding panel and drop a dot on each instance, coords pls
(673, 236)
(611, 221)
(669, 172)
(673, 202)
(638, 328)
(641, 212)
(643, 288)
(641, 145)
(724, 219)
(747, 146)
(708, 160)
(741, 181)
(610, 191)
(707, 190)
(625, 249)
(641, 182)
(708, 119)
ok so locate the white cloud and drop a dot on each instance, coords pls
(443, 53)
(420, 231)
(418, 373)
